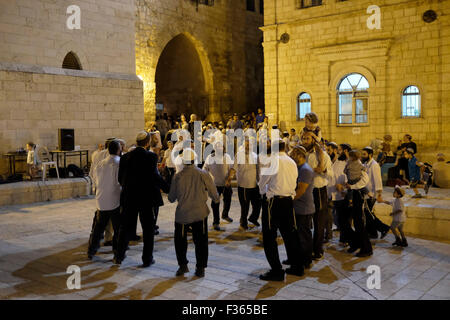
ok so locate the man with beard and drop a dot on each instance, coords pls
(360, 238)
(375, 186)
(141, 185)
(336, 188)
(322, 173)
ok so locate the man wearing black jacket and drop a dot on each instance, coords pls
(141, 185)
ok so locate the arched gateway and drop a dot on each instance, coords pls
(184, 79)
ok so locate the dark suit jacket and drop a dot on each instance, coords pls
(140, 179)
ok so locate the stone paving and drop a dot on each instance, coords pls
(39, 241)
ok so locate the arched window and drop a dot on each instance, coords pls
(303, 105)
(411, 102)
(71, 61)
(353, 99)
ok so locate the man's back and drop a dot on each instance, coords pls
(191, 187)
(106, 180)
(283, 178)
(139, 178)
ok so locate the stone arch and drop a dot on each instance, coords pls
(72, 46)
(148, 64)
(346, 69)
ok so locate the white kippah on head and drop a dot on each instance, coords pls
(188, 155)
(141, 136)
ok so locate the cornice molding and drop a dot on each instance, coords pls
(353, 50)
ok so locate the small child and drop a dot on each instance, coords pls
(312, 125)
(398, 216)
(353, 170)
(32, 167)
(414, 169)
(427, 173)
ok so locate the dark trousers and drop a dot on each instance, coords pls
(320, 218)
(373, 224)
(135, 221)
(200, 238)
(280, 215)
(345, 220)
(170, 174)
(227, 193)
(360, 238)
(101, 220)
(247, 195)
(304, 225)
(329, 224)
(128, 229)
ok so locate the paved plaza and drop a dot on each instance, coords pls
(39, 242)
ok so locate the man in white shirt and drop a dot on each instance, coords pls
(168, 162)
(360, 237)
(375, 186)
(338, 194)
(247, 172)
(320, 162)
(97, 157)
(107, 195)
(218, 164)
(279, 184)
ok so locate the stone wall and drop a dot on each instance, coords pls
(227, 40)
(42, 191)
(37, 96)
(34, 32)
(332, 40)
(34, 105)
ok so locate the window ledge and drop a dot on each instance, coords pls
(352, 125)
(412, 118)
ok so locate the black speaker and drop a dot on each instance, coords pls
(66, 139)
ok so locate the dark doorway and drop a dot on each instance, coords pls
(180, 82)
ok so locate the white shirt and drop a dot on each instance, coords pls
(361, 183)
(398, 205)
(320, 179)
(246, 169)
(283, 181)
(294, 140)
(30, 157)
(106, 178)
(96, 158)
(218, 169)
(250, 132)
(338, 177)
(168, 157)
(218, 136)
(375, 182)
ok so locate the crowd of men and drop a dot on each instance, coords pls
(298, 184)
